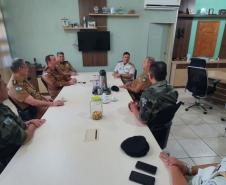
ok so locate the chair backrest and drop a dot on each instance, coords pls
(197, 81)
(15, 104)
(160, 125)
(27, 113)
(44, 82)
(135, 74)
(198, 62)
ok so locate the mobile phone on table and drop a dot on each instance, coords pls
(146, 167)
(141, 178)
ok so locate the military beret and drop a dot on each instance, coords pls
(135, 146)
(114, 88)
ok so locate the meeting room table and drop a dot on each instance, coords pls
(73, 149)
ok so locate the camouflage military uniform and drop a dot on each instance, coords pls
(12, 134)
(65, 67)
(55, 81)
(20, 89)
(156, 98)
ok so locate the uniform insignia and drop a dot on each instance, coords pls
(144, 80)
(143, 101)
(8, 121)
(18, 88)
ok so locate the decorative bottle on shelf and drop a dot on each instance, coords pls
(84, 22)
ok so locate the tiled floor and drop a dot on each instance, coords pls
(195, 138)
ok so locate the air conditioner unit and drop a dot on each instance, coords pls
(162, 4)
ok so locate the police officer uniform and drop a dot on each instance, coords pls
(122, 68)
(155, 98)
(55, 81)
(20, 89)
(140, 84)
(142, 80)
(12, 134)
(65, 67)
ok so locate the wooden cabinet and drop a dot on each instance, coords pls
(178, 77)
(182, 38)
(206, 38)
(222, 54)
(85, 7)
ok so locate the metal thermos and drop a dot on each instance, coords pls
(103, 82)
(103, 79)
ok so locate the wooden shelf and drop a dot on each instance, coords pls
(77, 28)
(113, 15)
(201, 16)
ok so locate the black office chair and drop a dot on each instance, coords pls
(135, 73)
(160, 125)
(27, 113)
(198, 85)
(198, 62)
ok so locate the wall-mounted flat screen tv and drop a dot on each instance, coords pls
(93, 40)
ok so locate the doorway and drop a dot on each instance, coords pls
(160, 42)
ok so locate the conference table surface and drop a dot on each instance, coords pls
(59, 152)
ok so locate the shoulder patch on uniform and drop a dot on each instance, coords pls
(18, 88)
(8, 121)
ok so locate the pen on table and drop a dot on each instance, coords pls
(96, 134)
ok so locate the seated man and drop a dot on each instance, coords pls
(124, 69)
(64, 66)
(13, 131)
(137, 86)
(155, 98)
(208, 174)
(55, 81)
(24, 94)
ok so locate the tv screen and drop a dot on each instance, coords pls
(94, 41)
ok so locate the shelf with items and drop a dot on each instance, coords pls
(113, 15)
(213, 16)
(77, 28)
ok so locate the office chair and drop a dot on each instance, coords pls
(160, 125)
(44, 82)
(197, 84)
(198, 62)
(27, 113)
(135, 73)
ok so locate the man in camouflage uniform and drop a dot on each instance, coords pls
(13, 131)
(24, 94)
(137, 86)
(54, 80)
(64, 66)
(155, 98)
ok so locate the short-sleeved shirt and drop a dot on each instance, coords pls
(20, 89)
(12, 132)
(122, 68)
(65, 67)
(211, 175)
(156, 98)
(142, 81)
(54, 80)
